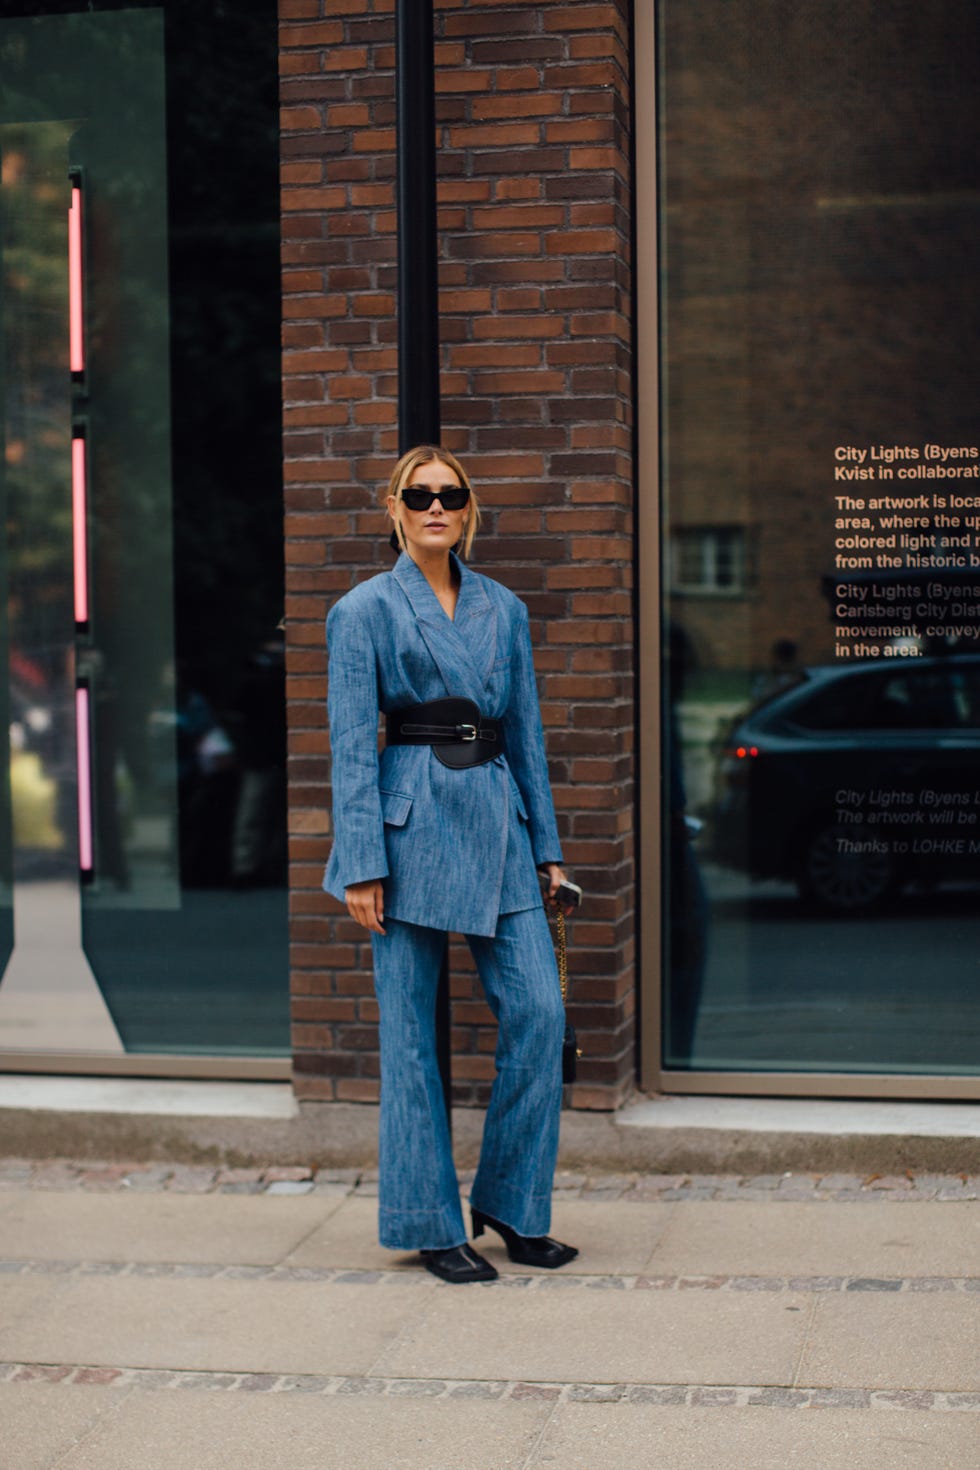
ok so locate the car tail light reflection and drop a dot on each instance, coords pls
(736, 762)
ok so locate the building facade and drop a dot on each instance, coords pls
(705, 278)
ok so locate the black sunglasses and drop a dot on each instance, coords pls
(450, 497)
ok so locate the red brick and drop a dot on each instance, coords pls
(357, 1089)
(302, 119)
(457, 301)
(461, 81)
(498, 135)
(517, 189)
(582, 242)
(372, 194)
(518, 298)
(495, 355)
(325, 33)
(502, 327)
(315, 306)
(596, 158)
(301, 172)
(322, 360)
(582, 18)
(376, 412)
(305, 281)
(461, 191)
(587, 47)
(532, 105)
(517, 217)
(448, 54)
(472, 246)
(315, 413)
(517, 78)
(345, 59)
(579, 130)
(507, 384)
(598, 74)
(297, 63)
(481, 24)
(375, 140)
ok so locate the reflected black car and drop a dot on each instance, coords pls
(857, 781)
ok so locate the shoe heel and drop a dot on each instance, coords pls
(478, 1221)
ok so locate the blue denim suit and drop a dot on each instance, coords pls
(456, 850)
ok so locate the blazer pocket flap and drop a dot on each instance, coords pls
(395, 808)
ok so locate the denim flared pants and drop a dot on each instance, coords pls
(418, 1189)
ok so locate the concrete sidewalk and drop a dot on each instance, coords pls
(176, 1317)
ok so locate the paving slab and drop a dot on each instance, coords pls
(254, 1326)
(785, 1238)
(611, 1238)
(42, 1421)
(173, 1430)
(46, 1225)
(602, 1335)
(349, 1237)
(868, 1340)
(611, 1436)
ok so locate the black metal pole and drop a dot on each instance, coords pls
(418, 310)
(418, 281)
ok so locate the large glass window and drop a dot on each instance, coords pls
(142, 830)
(820, 241)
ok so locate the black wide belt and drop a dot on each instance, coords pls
(459, 735)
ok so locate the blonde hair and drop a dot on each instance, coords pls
(403, 472)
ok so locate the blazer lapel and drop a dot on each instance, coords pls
(462, 649)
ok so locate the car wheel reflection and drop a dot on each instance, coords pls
(845, 874)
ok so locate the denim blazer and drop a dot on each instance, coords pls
(455, 848)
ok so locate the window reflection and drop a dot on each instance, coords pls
(818, 229)
(174, 148)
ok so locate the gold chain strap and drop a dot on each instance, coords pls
(562, 955)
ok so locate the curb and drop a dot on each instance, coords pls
(342, 1135)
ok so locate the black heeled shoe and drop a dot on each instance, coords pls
(527, 1250)
(459, 1264)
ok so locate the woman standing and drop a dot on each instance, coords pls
(445, 832)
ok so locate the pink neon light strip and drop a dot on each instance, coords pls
(76, 342)
(83, 746)
(79, 516)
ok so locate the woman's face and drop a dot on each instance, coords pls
(435, 529)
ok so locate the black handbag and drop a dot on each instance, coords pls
(569, 1048)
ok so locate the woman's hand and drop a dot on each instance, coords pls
(556, 878)
(366, 903)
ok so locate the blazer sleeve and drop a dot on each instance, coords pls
(524, 747)
(352, 706)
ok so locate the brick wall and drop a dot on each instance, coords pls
(532, 119)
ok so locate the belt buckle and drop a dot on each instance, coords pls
(466, 732)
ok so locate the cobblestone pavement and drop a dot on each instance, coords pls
(692, 1395)
(67, 1174)
(343, 1276)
